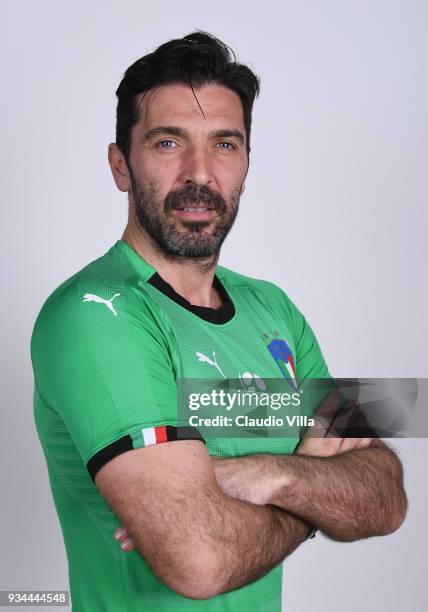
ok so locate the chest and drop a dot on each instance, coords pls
(250, 354)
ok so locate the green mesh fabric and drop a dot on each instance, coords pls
(107, 350)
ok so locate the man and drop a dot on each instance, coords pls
(205, 524)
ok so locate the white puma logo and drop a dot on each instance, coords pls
(91, 297)
(202, 357)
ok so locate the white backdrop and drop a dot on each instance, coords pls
(335, 212)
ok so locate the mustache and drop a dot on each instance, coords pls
(192, 194)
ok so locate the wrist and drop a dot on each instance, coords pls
(302, 529)
(285, 480)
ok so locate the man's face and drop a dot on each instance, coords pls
(187, 169)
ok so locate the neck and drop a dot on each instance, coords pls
(191, 278)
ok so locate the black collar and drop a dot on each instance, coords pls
(212, 315)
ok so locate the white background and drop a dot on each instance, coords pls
(335, 212)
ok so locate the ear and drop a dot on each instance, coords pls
(119, 168)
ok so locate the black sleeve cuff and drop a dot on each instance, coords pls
(165, 433)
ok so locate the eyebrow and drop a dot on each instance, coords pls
(171, 130)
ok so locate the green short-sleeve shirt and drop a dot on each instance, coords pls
(108, 348)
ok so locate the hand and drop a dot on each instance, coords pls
(327, 447)
(126, 542)
(318, 443)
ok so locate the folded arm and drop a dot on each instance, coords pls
(196, 539)
(348, 495)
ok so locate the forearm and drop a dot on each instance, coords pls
(219, 544)
(353, 495)
(250, 540)
(348, 496)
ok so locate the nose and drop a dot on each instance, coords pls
(197, 167)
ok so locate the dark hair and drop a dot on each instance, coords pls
(195, 59)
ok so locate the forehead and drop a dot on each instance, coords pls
(167, 104)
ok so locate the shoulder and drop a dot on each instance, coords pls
(94, 278)
(263, 288)
(231, 277)
(103, 295)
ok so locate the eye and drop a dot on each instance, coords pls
(166, 144)
(229, 145)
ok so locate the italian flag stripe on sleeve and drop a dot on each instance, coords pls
(161, 436)
(154, 435)
(149, 436)
(144, 436)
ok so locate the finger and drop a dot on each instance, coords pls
(128, 545)
(120, 534)
(325, 447)
(324, 415)
(349, 444)
(365, 442)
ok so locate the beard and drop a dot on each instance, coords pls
(178, 238)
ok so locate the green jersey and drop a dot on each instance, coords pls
(108, 349)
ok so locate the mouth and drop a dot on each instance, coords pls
(192, 212)
(199, 209)
(189, 206)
